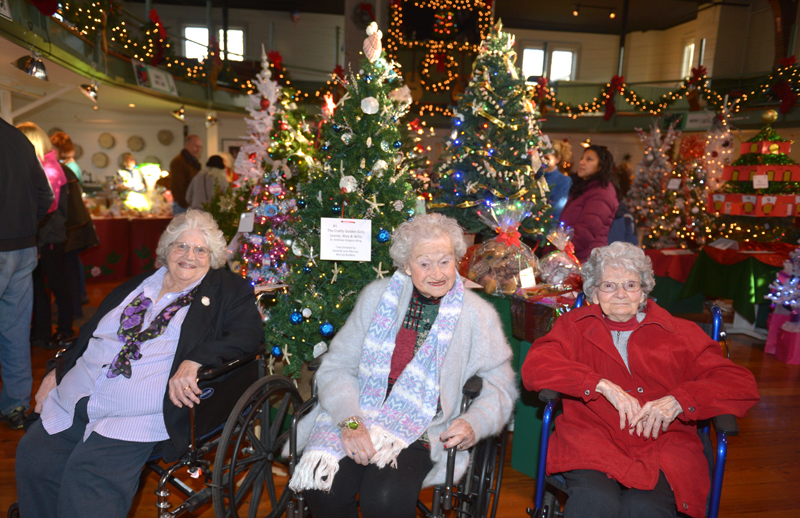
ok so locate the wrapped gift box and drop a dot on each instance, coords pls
(787, 348)
(774, 173)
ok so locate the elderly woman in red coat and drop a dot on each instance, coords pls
(635, 381)
(592, 203)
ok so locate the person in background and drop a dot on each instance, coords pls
(592, 201)
(182, 169)
(65, 153)
(25, 197)
(131, 177)
(558, 182)
(229, 163)
(203, 185)
(624, 226)
(51, 239)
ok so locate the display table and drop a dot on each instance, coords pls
(671, 268)
(127, 248)
(742, 275)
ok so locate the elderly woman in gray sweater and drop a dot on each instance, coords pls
(390, 386)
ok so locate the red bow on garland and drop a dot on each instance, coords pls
(697, 75)
(509, 237)
(339, 71)
(787, 96)
(787, 62)
(541, 88)
(46, 7)
(616, 85)
(366, 7)
(158, 44)
(440, 62)
(275, 58)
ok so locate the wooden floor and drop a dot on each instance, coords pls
(762, 477)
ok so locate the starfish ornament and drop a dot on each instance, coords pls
(380, 271)
(336, 272)
(287, 354)
(271, 365)
(374, 202)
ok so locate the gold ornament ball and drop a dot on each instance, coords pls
(769, 116)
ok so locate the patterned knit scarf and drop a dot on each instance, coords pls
(396, 421)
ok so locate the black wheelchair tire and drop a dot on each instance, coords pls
(481, 488)
(247, 450)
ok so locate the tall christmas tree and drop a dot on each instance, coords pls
(651, 174)
(362, 185)
(719, 147)
(683, 221)
(493, 151)
(759, 199)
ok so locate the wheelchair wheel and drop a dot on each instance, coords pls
(481, 492)
(248, 460)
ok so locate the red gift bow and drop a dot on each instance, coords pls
(440, 63)
(784, 92)
(617, 82)
(158, 53)
(541, 88)
(509, 237)
(570, 251)
(697, 74)
(275, 58)
(787, 62)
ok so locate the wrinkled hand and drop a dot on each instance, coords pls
(459, 434)
(183, 389)
(654, 416)
(48, 384)
(626, 405)
(358, 444)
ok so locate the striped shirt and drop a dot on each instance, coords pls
(121, 408)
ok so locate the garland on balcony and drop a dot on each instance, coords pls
(783, 82)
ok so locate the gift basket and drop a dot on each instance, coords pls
(560, 264)
(504, 264)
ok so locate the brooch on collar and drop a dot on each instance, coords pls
(206, 301)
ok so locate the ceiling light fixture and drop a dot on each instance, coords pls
(587, 142)
(90, 91)
(210, 120)
(131, 105)
(180, 114)
(575, 11)
(32, 65)
(611, 14)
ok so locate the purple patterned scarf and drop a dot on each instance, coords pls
(130, 330)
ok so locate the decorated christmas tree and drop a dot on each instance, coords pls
(683, 221)
(493, 151)
(346, 212)
(651, 174)
(719, 148)
(785, 290)
(759, 198)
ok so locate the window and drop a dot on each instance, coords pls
(560, 65)
(688, 59)
(196, 44)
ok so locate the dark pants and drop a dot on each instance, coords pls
(383, 493)
(51, 265)
(74, 275)
(63, 476)
(593, 494)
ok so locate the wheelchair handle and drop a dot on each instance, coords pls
(473, 386)
(447, 496)
(547, 395)
(208, 372)
(726, 423)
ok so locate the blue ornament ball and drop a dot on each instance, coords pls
(336, 209)
(276, 351)
(336, 127)
(296, 317)
(325, 147)
(326, 330)
(384, 235)
(306, 269)
(398, 144)
(301, 203)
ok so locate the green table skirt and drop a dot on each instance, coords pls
(745, 282)
(527, 426)
(667, 294)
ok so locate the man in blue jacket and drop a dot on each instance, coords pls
(25, 197)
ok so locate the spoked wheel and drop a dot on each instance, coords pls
(248, 461)
(484, 478)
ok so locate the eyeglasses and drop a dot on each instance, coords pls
(183, 249)
(611, 287)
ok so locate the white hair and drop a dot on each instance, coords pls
(425, 228)
(619, 255)
(203, 223)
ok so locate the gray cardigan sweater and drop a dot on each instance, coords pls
(478, 347)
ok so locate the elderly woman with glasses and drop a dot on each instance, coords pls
(390, 387)
(635, 381)
(131, 377)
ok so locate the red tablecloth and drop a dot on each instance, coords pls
(772, 254)
(127, 248)
(673, 266)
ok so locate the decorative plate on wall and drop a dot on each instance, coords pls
(78, 151)
(106, 140)
(165, 137)
(100, 160)
(151, 160)
(136, 143)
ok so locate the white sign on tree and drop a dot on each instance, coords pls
(345, 239)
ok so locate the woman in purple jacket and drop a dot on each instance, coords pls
(592, 201)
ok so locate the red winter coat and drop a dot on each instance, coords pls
(591, 215)
(667, 356)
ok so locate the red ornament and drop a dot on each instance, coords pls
(264, 104)
(252, 157)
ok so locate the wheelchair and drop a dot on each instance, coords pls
(551, 490)
(477, 495)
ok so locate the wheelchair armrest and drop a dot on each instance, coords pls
(207, 373)
(726, 423)
(547, 395)
(473, 386)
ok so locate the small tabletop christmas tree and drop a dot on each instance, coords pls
(785, 290)
(762, 183)
(493, 151)
(363, 183)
